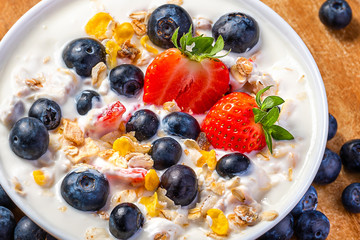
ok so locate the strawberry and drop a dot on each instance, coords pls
(239, 122)
(110, 118)
(196, 79)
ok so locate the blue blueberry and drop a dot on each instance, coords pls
(26, 229)
(239, 31)
(29, 138)
(312, 225)
(85, 190)
(351, 198)
(125, 220)
(5, 200)
(126, 79)
(233, 164)
(335, 14)
(83, 54)
(144, 123)
(307, 203)
(329, 169)
(85, 101)
(284, 230)
(165, 152)
(350, 155)
(7, 223)
(47, 111)
(332, 127)
(164, 21)
(180, 183)
(181, 124)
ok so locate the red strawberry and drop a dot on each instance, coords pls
(230, 124)
(110, 119)
(195, 79)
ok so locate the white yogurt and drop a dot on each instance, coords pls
(276, 62)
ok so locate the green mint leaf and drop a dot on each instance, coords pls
(174, 37)
(268, 139)
(280, 133)
(219, 45)
(270, 118)
(258, 114)
(185, 39)
(271, 101)
(202, 45)
(258, 95)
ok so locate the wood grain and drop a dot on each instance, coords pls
(337, 54)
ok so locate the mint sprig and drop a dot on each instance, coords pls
(267, 114)
(200, 47)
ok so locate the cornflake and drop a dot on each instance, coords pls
(162, 236)
(72, 132)
(128, 195)
(151, 180)
(171, 106)
(123, 32)
(42, 178)
(151, 204)
(177, 2)
(220, 224)
(112, 49)
(144, 42)
(209, 158)
(97, 26)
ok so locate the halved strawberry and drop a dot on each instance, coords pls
(230, 124)
(241, 123)
(195, 79)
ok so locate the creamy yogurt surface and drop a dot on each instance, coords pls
(38, 56)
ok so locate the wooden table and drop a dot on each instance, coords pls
(337, 54)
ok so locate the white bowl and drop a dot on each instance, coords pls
(306, 171)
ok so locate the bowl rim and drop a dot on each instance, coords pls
(282, 26)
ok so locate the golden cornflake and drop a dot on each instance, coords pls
(42, 179)
(111, 136)
(72, 132)
(97, 26)
(220, 224)
(171, 106)
(194, 213)
(87, 151)
(112, 49)
(209, 158)
(124, 146)
(71, 151)
(128, 195)
(151, 204)
(151, 180)
(123, 32)
(177, 2)
(144, 42)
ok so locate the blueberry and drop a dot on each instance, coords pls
(181, 124)
(164, 21)
(26, 229)
(282, 231)
(125, 220)
(312, 225)
(335, 14)
(165, 152)
(239, 31)
(307, 203)
(332, 127)
(5, 199)
(85, 101)
(329, 169)
(7, 223)
(233, 164)
(29, 138)
(180, 183)
(83, 54)
(126, 79)
(145, 123)
(350, 155)
(47, 111)
(351, 198)
(85, 190)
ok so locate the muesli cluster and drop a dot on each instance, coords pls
(179, 146)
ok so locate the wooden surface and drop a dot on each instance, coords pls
(337, 54)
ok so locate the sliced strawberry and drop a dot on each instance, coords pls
(135, 176)
(195, 79)
(109, 120)
(230, 124)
